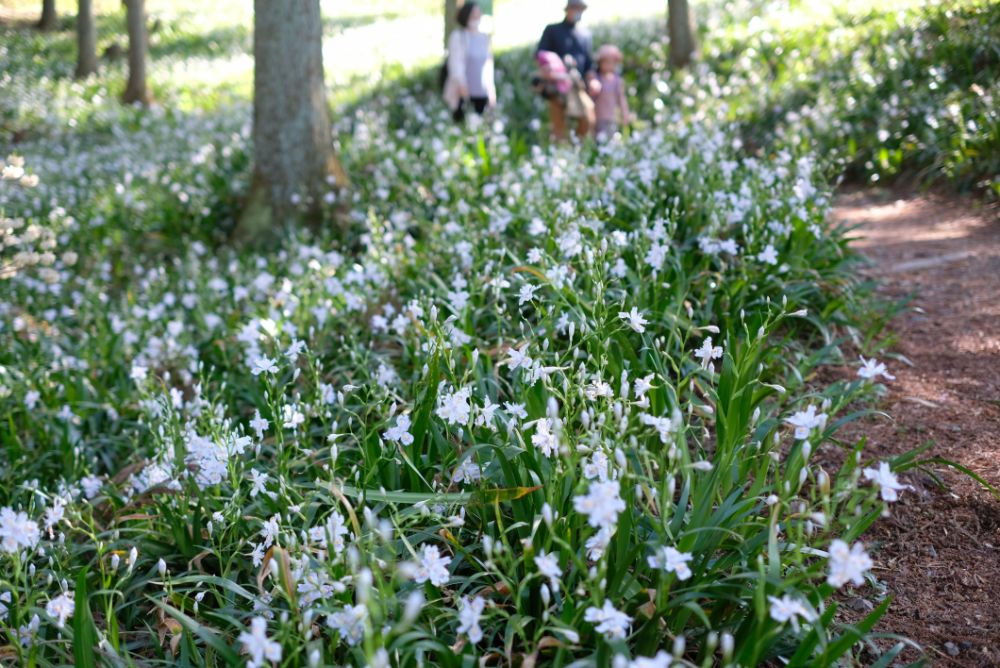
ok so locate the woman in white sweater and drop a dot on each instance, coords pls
(470, 65)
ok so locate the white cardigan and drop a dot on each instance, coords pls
(457, 44)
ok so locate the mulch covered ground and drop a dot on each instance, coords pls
(939, 551)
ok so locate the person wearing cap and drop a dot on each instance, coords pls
(573, 44)
(610, 101)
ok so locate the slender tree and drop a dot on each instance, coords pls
(450, 11)
(49, 19)
(293, 148)
(138, 46)
(86, 39)
(680, 29)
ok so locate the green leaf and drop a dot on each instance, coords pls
(485, 496)
(853, 634)
(209, 636)
(964, 469)
(84, 632)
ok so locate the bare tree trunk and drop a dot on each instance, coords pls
(86, 39)
(680, 29)
(138, 46)
(49, 20)
(450, 10)
(293, 145)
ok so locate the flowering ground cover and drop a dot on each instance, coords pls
(529, 404)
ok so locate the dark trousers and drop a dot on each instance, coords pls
(478, 105)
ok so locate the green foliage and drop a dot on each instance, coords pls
(471, 370)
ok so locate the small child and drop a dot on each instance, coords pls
(611, 98)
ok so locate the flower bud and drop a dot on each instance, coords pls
(414, 604)
(620, 458)
(547, 515)
(680, 644)
(823, 482)
(727, 644)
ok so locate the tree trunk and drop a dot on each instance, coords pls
(293, 146)
(680, 29)
(49, 20)
(138, 45)
(450, 10)
(86, 39)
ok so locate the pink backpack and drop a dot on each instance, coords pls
(553, 69)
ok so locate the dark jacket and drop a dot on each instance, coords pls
(567, 39)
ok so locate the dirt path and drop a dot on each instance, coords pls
(939, 552)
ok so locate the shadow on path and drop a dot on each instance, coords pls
(939, 552)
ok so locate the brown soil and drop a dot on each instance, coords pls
(939, 551)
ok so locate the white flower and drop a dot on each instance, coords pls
(291, 416)
(259, 482)
(467, 471)
(672, 560)
(256, 643)
(335, 529)
(598, 543)
(209, 459)
(432, 567)
(138, 373)
(270, 530)
(548, 565)
(91, 486)
(469, 616)
(263, 365)
(294, 350)
(350, 623)
(768, 255)
(544, 439)
(661, 660)
(634, 319)
(17, 531)
(55, 514)
(26, 632)
(515, 410)
(886, 481)
(847, 563)
(31, 399)
(518, 358)
(707, 353)
(872, 369)
(454, 408)
(61, 608)
(643, 385)
(596, 466)
(664, 426)
(609, 621)
(526, 294)
(788, 609)
(601, 504)
(486, 415)
(327, 394)
(401, 432)
(258, 424)
(805, 421)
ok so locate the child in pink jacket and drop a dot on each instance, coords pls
(610, 102)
